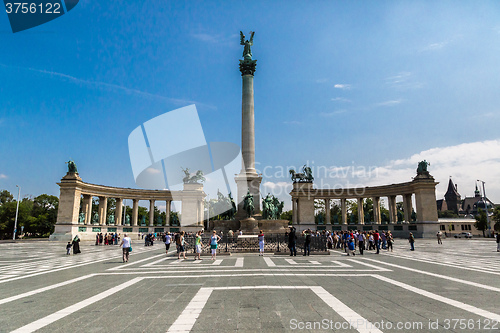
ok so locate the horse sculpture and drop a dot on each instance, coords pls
(303, 177)
(188, 179)
(248, 205)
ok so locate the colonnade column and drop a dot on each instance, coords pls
(151, 212)
(361, 213)
(344, 210)
(103, 208)
(328, 219)
(167, 213)
(407, 207)
(200, 213)
(118, 211)
(294, 211)
(393, 217)
(376, 210)
(87, 207)
(135, 210)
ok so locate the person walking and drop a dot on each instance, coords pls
(307, 242)
(261, 243)
(411, 239)
(126, 244)
(498, 242)
(197, 245)
(292, 241)
(390, 240)
(351, 247)
(361, 242)
(439, 235)
(376, 239)
(167, 242)
(181, 249)
(76, 245)
(213, 244)
(68, 248)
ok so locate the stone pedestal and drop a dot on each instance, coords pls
(304, 193)
(249, 225)
(192, 205)
(245, 183)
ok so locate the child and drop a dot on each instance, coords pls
(68, 248)
(351, 246)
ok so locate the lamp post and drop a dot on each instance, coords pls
(486, 207)
(17, 211)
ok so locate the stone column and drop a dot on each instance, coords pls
(167, 213)
(103, 208)
(407, 207)
(328, 219)
(344, 210)
(119, 211)
(393, 217)
(376, 210)
(361, 213)
(69, 199)
(248, 179)
(135, 210)
(200, 213)
(294, 211)
(151, 212)
(87, 208)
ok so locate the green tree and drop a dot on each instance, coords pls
(5, 196)
(496, 218)
(288, 215)
(44, 215)
(481, 221)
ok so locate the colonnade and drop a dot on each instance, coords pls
(422, 189)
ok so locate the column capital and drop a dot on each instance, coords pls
(247, 67)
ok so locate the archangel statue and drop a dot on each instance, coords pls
(247, 52)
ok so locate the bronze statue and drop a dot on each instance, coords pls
(248, 205)
(303, 177)
(422, 168)
(247, 52)
(81, 217)
(71, 167)
(188, 179)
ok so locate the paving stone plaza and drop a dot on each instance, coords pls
(452, 287)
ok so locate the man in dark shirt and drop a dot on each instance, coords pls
(292, 241)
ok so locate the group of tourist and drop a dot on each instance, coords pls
(180, 242)
(364, 241)
(107, 239)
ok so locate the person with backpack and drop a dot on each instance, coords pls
(411, 240)
(180, 247)
(351, 246)
(307, 242)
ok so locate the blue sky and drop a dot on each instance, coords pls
(338, 83)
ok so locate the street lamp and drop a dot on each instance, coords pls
(17, 211)
(486, 207)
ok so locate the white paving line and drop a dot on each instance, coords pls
(40, 290)
(188, 317)
(217, 262)
(291, 261)
(186, 320)
(340, 263)
(178, 261)
(442, 264)
(239, 262)
(346, 312)
(446, 300)
(155, 262)
(470, 283)
(361, 262)
(269, 262)
(314, 262)
(135, 262)
(36, 325)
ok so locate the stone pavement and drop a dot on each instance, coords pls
(454, 287)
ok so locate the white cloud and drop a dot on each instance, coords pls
(2, 176)
(403, 81)
(333, 113)
(434, 46)
(153, 171)
(390, 103)
(465, 162)
(342, 86)
(341, 99)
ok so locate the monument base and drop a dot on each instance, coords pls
(250, 226)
